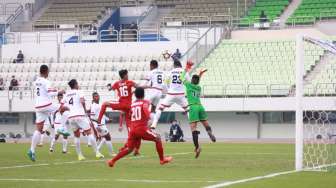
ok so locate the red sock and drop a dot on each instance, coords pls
(120, 119)
(137, 146)
(101, 113)
(121, 154)
(159, 149)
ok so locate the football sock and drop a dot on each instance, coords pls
(52, 143)
(93, 143)
(195, 138)
(101, 143)
(65, 144)
(36, 138)
(121, 154)
(208, 129)
(109, 146)
(78, 148)
(156, 118)
(159, 149)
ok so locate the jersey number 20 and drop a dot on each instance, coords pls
(136, 113)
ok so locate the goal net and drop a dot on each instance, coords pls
(315, 104)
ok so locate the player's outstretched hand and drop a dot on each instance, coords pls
(202, 71)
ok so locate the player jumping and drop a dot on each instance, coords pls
(175, 93)
(124, 90)
(101, 128)
(43, 106)
(78, 119)
(140, 114)
(156, 85)
(60, 128)
(196, 110)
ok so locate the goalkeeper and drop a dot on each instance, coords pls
(196, 110)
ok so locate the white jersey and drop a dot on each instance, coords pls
(156, 79)
(61, 119)
(94, 113)
(175, 84)
(43, 92)
(72, 100)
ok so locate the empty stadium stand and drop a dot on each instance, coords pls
(310, 10)
(92, 72)
(8, 7)
(194, 10)
(82, 12)
(254, 68)
(273, 9)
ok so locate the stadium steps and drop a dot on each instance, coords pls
(289, 11)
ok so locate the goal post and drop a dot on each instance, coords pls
(315, 123)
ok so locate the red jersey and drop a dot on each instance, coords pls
(124, 90)
(140, 113)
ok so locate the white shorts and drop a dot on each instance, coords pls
(42, 114)
(154, 96)
(80, 122)
(174, 99)
(102, 129)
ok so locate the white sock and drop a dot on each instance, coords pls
(78, 148)
(156, 118)
(93, 142)
(41, 139)
(109, 147)
(88, 140)
(100, 145)
(65, 145)
(35, 139)
(52, 143)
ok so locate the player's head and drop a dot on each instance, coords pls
(123, 74)
(177, 64)
(139, 93)
(153, 64)
(95, 97)
(73, 84)
(44, 71)
(195, 79)
(59, 97)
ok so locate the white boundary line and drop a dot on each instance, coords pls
(75, 162)
(225, 184)
(52, 180)
(165, 181)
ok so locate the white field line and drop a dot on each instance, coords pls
(228, 183)
(164, 181)
(53, 180)
(225, 184)
(75, 162)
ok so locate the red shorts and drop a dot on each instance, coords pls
(136, 134)
(122, 106)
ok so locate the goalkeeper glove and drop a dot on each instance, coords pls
(189, 65)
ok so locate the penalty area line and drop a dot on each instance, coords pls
(52, 180)
(228, 183)
(164, 181)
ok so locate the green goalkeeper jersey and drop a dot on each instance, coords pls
(193, 91)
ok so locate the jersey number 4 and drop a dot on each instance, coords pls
(136, 113)
(123, 91)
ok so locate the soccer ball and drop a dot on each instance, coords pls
(102, 130)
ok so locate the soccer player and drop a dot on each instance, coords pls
(60, 127)
(43, 106)
(140, 114)
(78, 119)
(196, 110)
(101, 128)
(156, 85)
(124, 90)
(175, 93)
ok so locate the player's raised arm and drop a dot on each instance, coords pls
(186, 71)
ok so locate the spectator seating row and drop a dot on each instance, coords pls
(310, 10)
(254, 68)
(81, 12)
(272, 9)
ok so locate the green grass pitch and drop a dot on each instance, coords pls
(219, 162)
